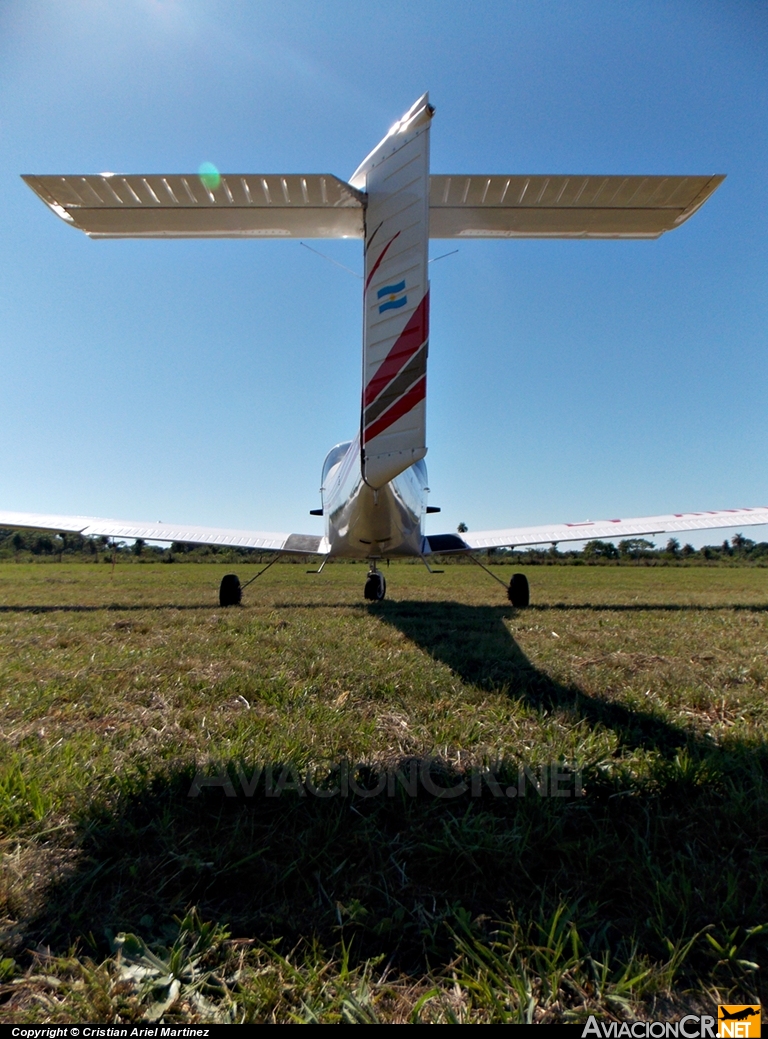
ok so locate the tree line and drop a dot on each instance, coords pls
(642, 551)
(27, 545)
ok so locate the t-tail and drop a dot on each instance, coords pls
(395, 177)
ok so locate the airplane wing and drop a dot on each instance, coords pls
(90, 526)
(311, 205)
(521, 537)
(563, 206)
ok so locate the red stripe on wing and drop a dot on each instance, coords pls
(401, 407)
(408, 342)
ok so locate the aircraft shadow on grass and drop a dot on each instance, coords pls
(476, 644)
(392, 873)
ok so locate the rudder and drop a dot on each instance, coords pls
(395, 177)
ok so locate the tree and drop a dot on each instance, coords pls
(138, 546)
(634, 548)
(741, 544)
(688, 550)
(600, 550)
(462, 528)
(673, 547)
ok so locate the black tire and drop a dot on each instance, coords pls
(230, 592)
(375, 587)
(518, 592)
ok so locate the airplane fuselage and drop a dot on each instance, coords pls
(361, 521)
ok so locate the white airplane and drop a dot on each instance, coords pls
(374, 488)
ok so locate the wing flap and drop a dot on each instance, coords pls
(482, 206)
(90, 526)
(602, 530)
(315, 205)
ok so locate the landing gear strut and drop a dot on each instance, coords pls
(230, 592)
(375, 585)
(230, 589)
(518, 592)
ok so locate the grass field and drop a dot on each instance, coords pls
(369, 837)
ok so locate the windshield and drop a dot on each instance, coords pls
(333, 457)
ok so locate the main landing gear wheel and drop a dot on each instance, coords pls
(230, 592)
(518, 592)
(375, 586)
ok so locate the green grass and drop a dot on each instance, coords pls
(645, 895)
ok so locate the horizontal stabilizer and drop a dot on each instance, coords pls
(90, 526)
(602, 530)
(319, 205)
(563, 206)
(316, 205)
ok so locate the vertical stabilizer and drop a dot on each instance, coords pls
(395, 177)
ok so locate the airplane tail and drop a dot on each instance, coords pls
(395, 177)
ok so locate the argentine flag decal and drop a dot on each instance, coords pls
(391, 297)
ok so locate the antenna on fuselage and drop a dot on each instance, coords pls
(436, 258)
(331, 260)
(349, 270)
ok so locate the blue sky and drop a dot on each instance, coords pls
(204, 381)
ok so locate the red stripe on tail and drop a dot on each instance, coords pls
(408, 342)
(401, 407)
(382, 254)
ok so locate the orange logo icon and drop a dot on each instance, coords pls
(738, 1020)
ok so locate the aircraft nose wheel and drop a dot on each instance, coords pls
(375, 586)
(518, 592)
(230, 592)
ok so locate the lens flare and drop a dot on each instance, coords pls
(209, 176)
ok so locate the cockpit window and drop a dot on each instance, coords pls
(333, 457)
